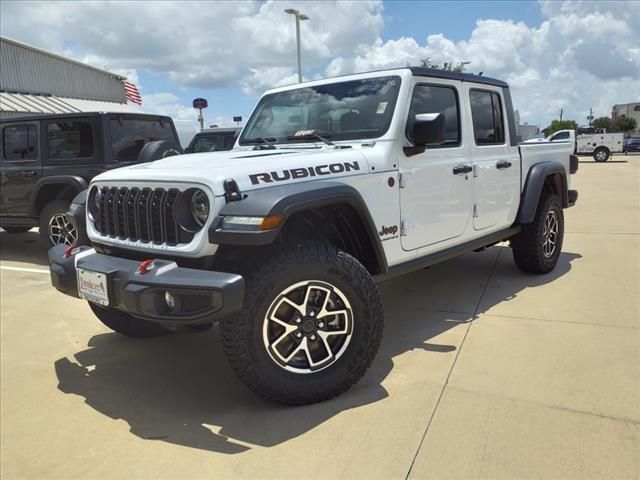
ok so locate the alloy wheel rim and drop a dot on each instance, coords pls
(308, 327)
(550, 234)
(601, 155)
(62, 231)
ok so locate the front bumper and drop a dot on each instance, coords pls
(201, 296)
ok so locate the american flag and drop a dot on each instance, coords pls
(132, 93)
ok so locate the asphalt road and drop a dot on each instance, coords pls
(484, 372)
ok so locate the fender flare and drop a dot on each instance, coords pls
(534, 185)
(287, 200)
(77, 183)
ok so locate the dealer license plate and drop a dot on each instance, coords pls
(92, 286)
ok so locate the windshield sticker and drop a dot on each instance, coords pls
(382, 106)
(304, 133)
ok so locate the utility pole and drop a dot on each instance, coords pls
(299, 16)
(560, 114)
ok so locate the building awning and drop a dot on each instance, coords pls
(27, 104)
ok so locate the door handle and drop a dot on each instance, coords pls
(462, 169)
(502, 164)
(28, 174)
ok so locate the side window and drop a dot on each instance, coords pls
(20, 142)
(436, 99)
(486, 111)
(69, 139)
(560, 136)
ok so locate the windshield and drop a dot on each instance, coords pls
(213, 142)
(356, 109)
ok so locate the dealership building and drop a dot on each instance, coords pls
(627, 110)
(34, 81)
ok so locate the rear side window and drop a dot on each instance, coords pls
(128, 136)
(70, 139)
(486, 111)
(20, 142)
(436, 99)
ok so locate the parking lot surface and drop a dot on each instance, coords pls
(484, 372)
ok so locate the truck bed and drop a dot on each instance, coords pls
(532, 153)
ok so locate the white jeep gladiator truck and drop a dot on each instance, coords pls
(333, 186)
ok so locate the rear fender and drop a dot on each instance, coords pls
(534, 185)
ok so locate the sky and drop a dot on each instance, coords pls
(570, 55)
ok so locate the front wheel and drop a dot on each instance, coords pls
(536, 249)
(125, 324)
(310, 328)
(56, 227)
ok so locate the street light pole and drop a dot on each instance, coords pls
(299, 16)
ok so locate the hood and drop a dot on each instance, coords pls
(249, 168)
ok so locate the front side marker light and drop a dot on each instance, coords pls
(252, 224)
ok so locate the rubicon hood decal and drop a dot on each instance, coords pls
(303, 172)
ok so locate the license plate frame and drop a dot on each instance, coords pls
(93, 286)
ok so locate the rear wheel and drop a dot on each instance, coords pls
(536, 249)
(601, 154)
(310, 328)
(126, 324)
(55, 226)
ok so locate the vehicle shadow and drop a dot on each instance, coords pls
(23, 247)
(179, 389)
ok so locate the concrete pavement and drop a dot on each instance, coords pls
(484, 372)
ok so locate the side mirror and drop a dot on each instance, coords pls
(428, 129)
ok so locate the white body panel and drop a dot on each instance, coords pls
(435, 206)
(589, 143)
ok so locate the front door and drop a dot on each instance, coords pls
(436, 192)
(21, 167)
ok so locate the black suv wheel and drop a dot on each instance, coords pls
(536, 249)
(55, 226)
(310, 328)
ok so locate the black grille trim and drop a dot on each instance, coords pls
(140, 214)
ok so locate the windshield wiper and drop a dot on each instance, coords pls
(262, 143)
(312, 135)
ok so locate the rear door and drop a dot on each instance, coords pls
(73, 147)
(496, 164)
(21, 167)
(436, 194)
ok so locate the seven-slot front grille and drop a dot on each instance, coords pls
(144, 214)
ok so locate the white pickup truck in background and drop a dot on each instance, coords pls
(599, 144)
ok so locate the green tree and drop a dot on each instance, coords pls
(603, 122)
(559, 125)
(625, 124)
(449, 66)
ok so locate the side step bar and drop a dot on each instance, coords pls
(449, 253)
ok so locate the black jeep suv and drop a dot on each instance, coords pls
(47, 160)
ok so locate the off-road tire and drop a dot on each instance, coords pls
(16, 229)
(242, 335)
(601, 154)
(528, 251)
(51, 209)
(125, 324)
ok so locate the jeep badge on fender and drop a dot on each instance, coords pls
(284, 238)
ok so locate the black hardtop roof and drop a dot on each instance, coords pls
(47, 116)
(462, 77)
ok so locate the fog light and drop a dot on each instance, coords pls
(169, 300)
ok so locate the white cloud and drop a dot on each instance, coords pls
(584, 54)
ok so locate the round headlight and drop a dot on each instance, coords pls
(200, 207)
(94, 203)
